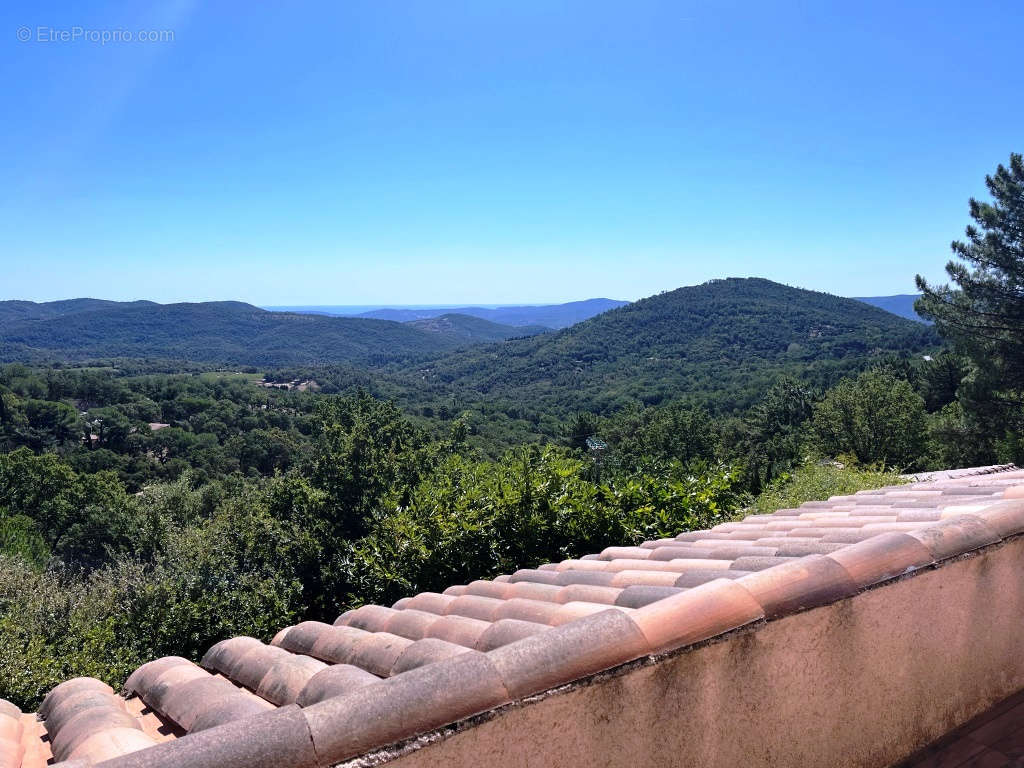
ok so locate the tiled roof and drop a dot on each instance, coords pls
(319, 693)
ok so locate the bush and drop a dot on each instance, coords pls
(817, 482)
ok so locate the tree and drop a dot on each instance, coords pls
(365, 451)
(677, 431)
(769, 439)
(877, 418)
(984, 314)
(581, 425)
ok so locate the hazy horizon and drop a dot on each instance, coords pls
(359, 308)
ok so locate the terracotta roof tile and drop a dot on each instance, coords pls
(378, 652)
(1005, 519)
(224, 654)
(334, 680)
(529, 574)
(882, 557)
(639, 595)
(426, 651)
(230, 709)
(411, 623)
(548, 659)
(697, 614)
(460, 630)
(286, 678)
(696, 577)
(302, 637)
(507, 631)
(955, 536)
(432, 602)
(338, 644)
(588, 593)
(803, 583)
(402, 706)
(319, 693)
(187, 702)
(372, 618)
(267, 740)
(534, 591)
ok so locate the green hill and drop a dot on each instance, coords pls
(216, 332)
(15, 311)
(474, 329)
(722, 343)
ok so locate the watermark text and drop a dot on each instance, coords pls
(105, 36)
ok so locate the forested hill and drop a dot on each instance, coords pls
(474, 329)
(722, 342)
(216, 332)
(14, 311)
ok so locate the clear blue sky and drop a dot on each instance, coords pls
(451, 151)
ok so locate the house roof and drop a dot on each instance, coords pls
(318, 694)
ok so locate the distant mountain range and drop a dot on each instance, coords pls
(474, 329)
(229, 332)
(543, 315)
(901, 304)
(226, 332)
(721, 342)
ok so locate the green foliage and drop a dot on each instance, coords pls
(816, 482)
(982, 313)
(476, 519)
(20, 537)
(676, 432)
(877, 418)
(257, 507)
(224, 332)
(365, 451)
(378, 511)
(84, 519)
(770, 436)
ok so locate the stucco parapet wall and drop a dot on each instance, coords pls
(863, 681)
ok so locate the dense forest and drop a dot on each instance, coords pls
(152, 507)
(221, 332)
(474, 329)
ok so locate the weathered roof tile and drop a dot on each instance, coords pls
(334, 680)
(548, 659)
(803, 583)
(403, 706)
(697, 614)
(882, 557)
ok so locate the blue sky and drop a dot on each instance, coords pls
(456, 151)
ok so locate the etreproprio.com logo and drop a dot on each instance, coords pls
(106, 36)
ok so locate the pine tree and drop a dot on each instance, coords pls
(983, 315)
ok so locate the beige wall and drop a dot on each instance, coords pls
(863, 682)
